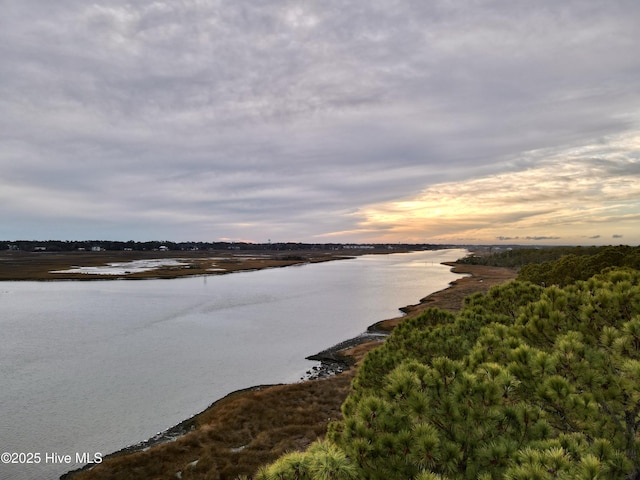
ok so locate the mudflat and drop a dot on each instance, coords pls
(246, 429)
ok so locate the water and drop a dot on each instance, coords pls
(91, 367)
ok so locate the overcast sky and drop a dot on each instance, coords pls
(446, 121)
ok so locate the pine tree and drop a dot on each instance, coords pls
(524, 383)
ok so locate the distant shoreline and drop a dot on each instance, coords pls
(40, 266)
(338, 366)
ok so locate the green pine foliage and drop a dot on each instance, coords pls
(525, 382)
(322, 461)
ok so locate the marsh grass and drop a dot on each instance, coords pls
(237, 434)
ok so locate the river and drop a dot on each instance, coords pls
(87, 368)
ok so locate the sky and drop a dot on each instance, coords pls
(412, 121)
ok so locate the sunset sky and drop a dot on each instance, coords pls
(440, 121)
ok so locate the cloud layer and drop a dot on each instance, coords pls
(308, 121)
(571, 196)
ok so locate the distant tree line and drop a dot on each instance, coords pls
(72, 245)
(571, 267)
(560, 265)
(516, 257)
(525, 382)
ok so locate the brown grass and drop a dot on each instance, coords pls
(247, 429)
(238, 434)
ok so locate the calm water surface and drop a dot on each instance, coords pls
(95, 366)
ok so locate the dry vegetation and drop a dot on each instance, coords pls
(247, 429)
(237, 434)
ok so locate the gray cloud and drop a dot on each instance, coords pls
(542, 237)
(529, 237)
(200, 120)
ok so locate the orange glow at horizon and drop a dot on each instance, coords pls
(560, 200)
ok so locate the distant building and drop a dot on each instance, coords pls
(97, 249)
(163, 248)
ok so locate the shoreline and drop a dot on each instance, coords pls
(336, 369)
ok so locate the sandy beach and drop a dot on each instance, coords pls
(251, 427)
